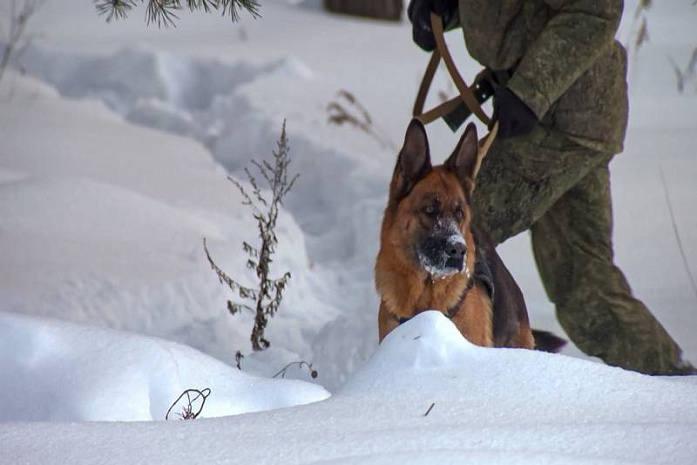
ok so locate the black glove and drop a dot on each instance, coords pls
(514, 116)
(419, 13)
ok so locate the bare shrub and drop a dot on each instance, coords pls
(266, 298)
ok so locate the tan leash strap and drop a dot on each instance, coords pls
(486, 145)
(466, 93)
(426, 84)
(440, 111)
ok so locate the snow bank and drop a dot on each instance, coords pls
(527, 384)
(56, 371)
(427, 396)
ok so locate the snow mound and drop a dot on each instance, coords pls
(55, 371)
(429, 355)
(427, 396)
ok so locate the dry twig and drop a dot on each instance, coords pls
(300, 364)
(190, 404)
(346, 109)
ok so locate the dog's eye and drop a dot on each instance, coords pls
(430, 209)
(459, 214)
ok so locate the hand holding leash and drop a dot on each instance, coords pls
(419, 13)
(515, 118)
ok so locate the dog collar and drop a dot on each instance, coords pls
(452, 311)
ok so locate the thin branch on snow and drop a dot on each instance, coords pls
(192, 406)
(300, 364)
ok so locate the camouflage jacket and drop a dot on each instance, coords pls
(568, 68)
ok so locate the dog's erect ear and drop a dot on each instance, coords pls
(465, 159)
(414, 160)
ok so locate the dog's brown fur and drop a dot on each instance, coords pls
(405, 287)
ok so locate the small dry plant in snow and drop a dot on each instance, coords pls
(189, 404)
(264, 299)
(346, 109)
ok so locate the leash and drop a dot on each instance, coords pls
(467, 93)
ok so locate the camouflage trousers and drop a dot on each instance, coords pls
(560, 190)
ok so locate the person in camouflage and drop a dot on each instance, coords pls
(561, 104)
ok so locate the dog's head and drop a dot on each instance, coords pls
(428, 214)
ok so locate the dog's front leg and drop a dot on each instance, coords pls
(386, 322)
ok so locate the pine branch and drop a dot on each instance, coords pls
(232, 8)
(114, 9)
(162, 12)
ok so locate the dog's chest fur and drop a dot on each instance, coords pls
(405, 293)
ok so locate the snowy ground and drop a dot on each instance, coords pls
(115, 144)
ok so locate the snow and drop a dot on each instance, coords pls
(115, 144)
(489, 406)
(57, 371)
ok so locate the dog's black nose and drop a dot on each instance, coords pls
(456, 251)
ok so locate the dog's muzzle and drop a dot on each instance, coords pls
(443, 252)
(456, 252)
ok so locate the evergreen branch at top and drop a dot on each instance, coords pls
(163, 12)
(114, 9)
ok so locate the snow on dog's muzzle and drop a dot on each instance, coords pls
(456, 249)
(444, 251)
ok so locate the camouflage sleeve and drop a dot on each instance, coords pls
(567, 46)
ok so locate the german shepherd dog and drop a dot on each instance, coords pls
(431, 258)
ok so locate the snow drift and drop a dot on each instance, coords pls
(57, 371)
(426, 396)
